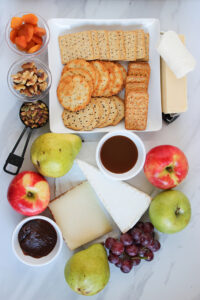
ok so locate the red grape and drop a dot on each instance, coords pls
(126, 266)
(109, 242)
(154, 246)
(119, 263)
(140, 225)
(117, 248)
(136, 234)
(136, 261)
(113, 259)
(126, 239)
(142, 251)
(148, 255)
(131, 250)
(148, 227)
(146, 239)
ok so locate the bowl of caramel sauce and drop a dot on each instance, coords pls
(120, 155)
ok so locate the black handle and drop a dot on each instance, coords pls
(16, 160)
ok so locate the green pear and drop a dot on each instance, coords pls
(87, 272)
(53, 154)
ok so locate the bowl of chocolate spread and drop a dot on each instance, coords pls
(37, 241)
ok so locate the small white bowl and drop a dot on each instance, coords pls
(29, 260)
(136, 168)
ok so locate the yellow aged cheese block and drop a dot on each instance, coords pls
(79, 216)
(174, 91)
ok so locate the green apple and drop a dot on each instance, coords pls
(53, 154)
(170, 211)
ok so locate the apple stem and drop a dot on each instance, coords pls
(30, 194)
(169, 169)
(177, 211)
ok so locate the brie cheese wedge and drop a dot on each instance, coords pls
(123, 202)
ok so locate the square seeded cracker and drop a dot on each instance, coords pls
(76, 45)
(122, 48)
(141, 53)
(95, 46)
(114, 45)
(104, 52)
(130, 42)
(136, 110)
(146, 58)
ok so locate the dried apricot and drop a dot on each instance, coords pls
(37, 39)
(30, 45)
(39, 31)
(30, 18)
(34, 49)
(27, 31)
(22, 30)
(13, 35)
(21, 42)
(16, 22)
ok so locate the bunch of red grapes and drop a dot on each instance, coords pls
(136, 244)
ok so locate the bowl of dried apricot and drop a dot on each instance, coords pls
(29, 79)
(27, 34)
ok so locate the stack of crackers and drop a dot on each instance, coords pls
(105, 45)
(136, 96)
(82, 84)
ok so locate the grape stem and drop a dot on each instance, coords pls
(138, 257)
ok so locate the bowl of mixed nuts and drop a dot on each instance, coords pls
(29, 79)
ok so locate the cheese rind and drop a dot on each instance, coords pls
(79, 216)
(173, 90)
(123, 202)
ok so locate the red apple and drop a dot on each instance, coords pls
(165, 166)
(29, 193)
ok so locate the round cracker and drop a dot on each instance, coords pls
(118, 84)
(120, 108)
(73, 92)
(97, 75)
(105, 110)
(124, 73)
(112, 115)
(82, 64)
(109, 88)
(98, 110)
(79, 120)
(78, 71)
(104, 78)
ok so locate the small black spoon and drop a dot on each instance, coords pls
(16, 160)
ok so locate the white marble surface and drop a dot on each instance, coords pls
(174, 273)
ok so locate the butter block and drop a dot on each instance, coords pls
(173, 90)
(124, 203)
(79, 216)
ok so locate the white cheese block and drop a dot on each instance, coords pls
(79, 216)
(173, 90)
(124, 203)
(175, 54)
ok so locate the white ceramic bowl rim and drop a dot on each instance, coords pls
(31, 261)
(140, 161)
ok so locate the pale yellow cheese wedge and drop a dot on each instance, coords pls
(79, 216)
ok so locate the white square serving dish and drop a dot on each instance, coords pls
(63, 26)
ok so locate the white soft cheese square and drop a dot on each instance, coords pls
(124, 203)
(79, 216)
